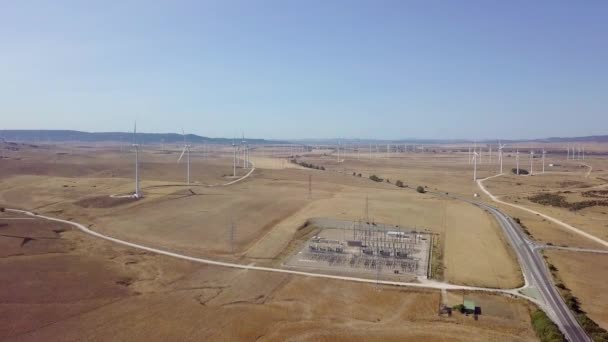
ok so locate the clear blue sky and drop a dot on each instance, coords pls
(307, 69)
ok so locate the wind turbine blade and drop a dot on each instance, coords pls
(181, 155)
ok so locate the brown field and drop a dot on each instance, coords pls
(571, 185)
(93, 290)
(266, 209)
(132, 295)
(586, 274)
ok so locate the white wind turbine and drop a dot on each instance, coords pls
(243, 150)
(531, 161)
(186, 150)
(544, 152)
(500, 147)
(490, 161)
(137, 193)
(475, 154)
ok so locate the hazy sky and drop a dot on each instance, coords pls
(307, 69)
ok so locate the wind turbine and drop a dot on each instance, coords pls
(475, 154)
(136, 145)
(544, 152)
(338, 150)
(490, 155)
(531, 161)
(500, 147)
(186, 150)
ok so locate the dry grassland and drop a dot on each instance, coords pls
(267, 210)
(586, 274)
(94, 290)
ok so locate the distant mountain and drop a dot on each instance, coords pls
(591, 138)
(594, 138)
(43, 136)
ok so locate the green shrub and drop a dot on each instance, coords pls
(459, 307)
(420, 189)
(545, 329)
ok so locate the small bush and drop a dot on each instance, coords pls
(375, 178)
(399, 183)
(420, 189)
(521, 171)
(359, 175)
(459, 307)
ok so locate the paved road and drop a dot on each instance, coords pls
(537, 275)
(536, 272)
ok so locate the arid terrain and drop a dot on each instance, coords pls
(61, 284)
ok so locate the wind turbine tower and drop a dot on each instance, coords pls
(500, 147)
(475, 155)
(136, 145)
(531, 162)
(544, 152)
(185, 150)
(491, 155)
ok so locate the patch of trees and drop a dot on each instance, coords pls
(308, 165)
(545, 329)
(556, 200)
(521, 171)
(420, 189)
(375, 178)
